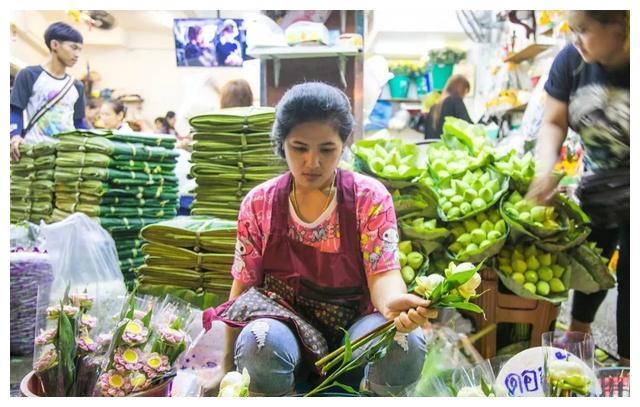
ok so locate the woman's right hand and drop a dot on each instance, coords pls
(542, 188)
(15, 147)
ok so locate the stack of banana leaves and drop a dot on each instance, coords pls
(189, 257)
(124, 181)
(232, 154)
(32, 183)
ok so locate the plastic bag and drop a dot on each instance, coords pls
(83, 254)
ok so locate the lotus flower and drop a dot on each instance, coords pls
(171, 336)
(114, 384)
(128, 359)
(86, 344)
(468, 289)
(135, 332)
(88, 321)
(155, 364)
(82, 300)
(471, 391)
(234, 384)
(426, 284)
(139, 381)
(46, 360)
(54, 312)
(46, 337)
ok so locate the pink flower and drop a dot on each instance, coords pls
(139, 314)
(46, 337)
(54, 311)
(114, 384)
(135, 332)
(86, 344)
(155, 364)
(128, 359)
(46, 360)
(104, 339)
(82, 300)
(88, 321)
(171, 336)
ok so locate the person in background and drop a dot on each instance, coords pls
(170, 122)
(450, 104)
(236, 93)
(195, 52)
(158, 125)
(52, 100)
(228, 49)
(92, 112)
(112, 114)
(588, 90)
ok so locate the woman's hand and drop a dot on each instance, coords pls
(542, 189)
(409, 312)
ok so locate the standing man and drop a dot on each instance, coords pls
(52, 99)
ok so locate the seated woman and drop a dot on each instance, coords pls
(317, 250)
(112, 115)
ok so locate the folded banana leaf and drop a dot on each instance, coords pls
(457, 133)
(79, 159)
(149, 139)
(122, 244)
(113, 225)
(225, 142)
(221, 204)
(131, 263)
(410, 232)
(581, 279)
(35, 196)
(213, 172)
(236, 119)
(588, 255)
(158, 254)
(116, 149)
(40, 207)
(115, 177)
(37, 150)
(391, 160)
(40, 175)
(197, 232)
(38, 186)
(414, 202)
(116, 211)
(28, 164)
(129, 253)
(222, 213)
(104, 189)
(258, 157)
(196, 298)
(17, 216)
(66, 198)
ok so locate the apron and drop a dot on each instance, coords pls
(315, 293)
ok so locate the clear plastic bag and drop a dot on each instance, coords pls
(83, 254)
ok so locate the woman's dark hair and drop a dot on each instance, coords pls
(93, 103)
(606, 17)
(236, 93)
(193, 32)
(311, 102)
(456, 86)
(61, 32)
(170, 115)
(117, 106)
(159, 120)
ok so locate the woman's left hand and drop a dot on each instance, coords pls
(409, 312)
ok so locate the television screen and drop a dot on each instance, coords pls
(210, 41)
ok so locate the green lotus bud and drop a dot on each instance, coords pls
(512, 212)
(530, 251)
(408, 274)
(494, 235)
(453, 167)
(417, 221)
(550, 224)
(455, 247)
(549, 213)
(530, 287)
(446, 206)
(471, 247)
(462, 186)
(494, 216)
(439, 164)
(537, 213)
(478, 235)
(390, 169)
(442, 200)
(501, 227)
(484, 178)
(380, 151)
(518, 253)
(465, 208)
(430, 225)
(448, 192)
(377, 164)
(405, 246)
(468, 178)
(485, 243)
(518, 278)
(415, 260)
(556, 285)
(465, 239)
(454, 213)
(506, 269)
(545, 273)
(481, 217)
(487, 226)
(403, 259)
(403, 170)
(545, 259)
(457, 231)
(493, 185)
(477, 173)
(542, 288)
(478, 185)
(558, 270)
(443, 174)
(519, 266)
(478, 203)
(457, 199)
(522, 206)
(533, 263)
(515, 197)
(470, 195)
(524, 217)
(485, 193)
(503, 260)
(470, 225)
(531, 276)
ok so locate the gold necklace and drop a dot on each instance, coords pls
(326, 204)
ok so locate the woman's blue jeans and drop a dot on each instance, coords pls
(271, 353)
